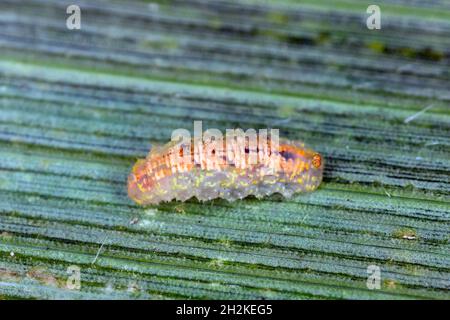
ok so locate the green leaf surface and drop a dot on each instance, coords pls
(78, 107)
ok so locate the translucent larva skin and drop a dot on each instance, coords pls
(160, 178)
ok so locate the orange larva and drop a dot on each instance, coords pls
(176, 172)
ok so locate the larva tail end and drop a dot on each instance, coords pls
(138, 183)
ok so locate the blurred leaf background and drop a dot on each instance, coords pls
(78, 107)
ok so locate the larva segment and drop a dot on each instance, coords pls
(166, 175)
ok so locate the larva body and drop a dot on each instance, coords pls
(172, 172)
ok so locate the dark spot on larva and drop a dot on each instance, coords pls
(247, 150)
(288, 155)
